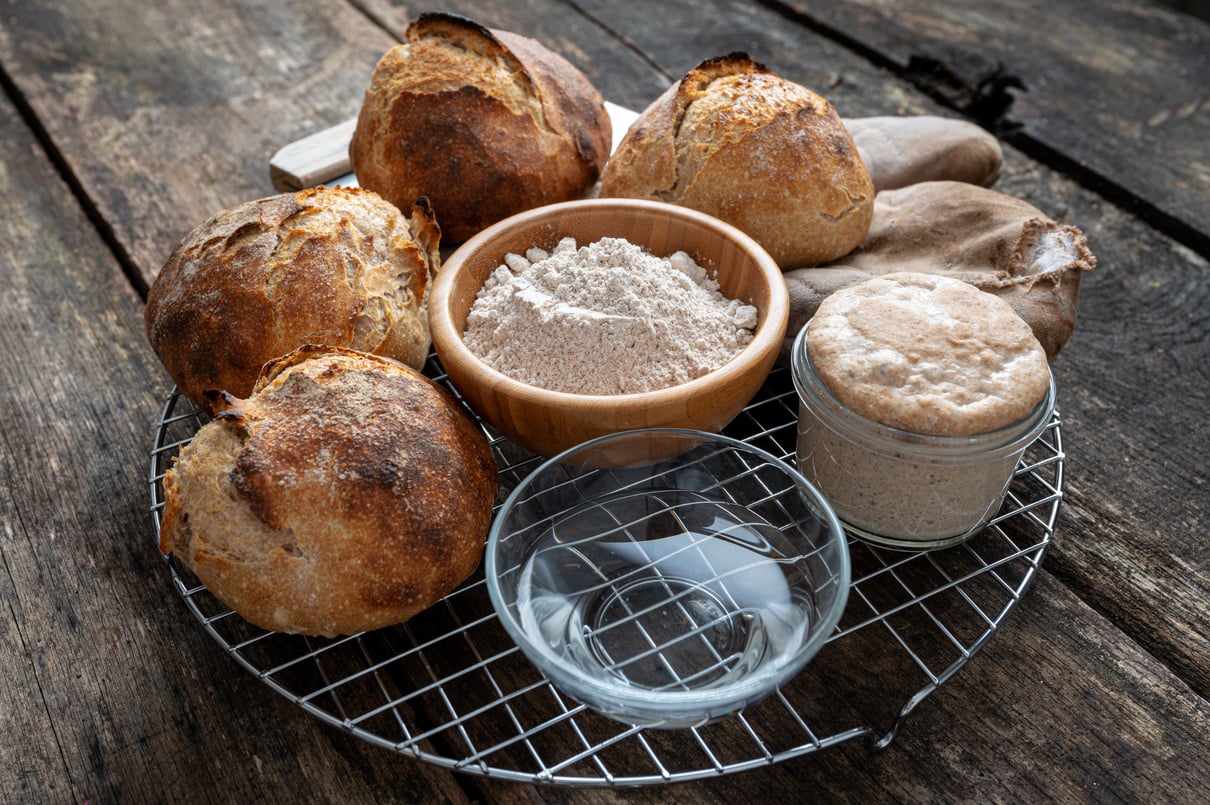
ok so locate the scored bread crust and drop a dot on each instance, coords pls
(334, 266)
(485, 123)
(349, 492)
(735, 140)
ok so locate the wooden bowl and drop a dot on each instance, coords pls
(549, 422)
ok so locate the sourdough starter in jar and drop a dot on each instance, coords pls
(917, 396)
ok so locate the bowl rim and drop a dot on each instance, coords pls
(768, 335)
(638, 702)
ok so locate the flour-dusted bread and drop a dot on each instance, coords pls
(485, 123)
(348, 492)
(735, 140)
(334, 266)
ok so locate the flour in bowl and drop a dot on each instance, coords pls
(606, 318)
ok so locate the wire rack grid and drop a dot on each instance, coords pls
(449, 687)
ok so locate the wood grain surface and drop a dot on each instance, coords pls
(124, 124)
(1114, 92)
(111, 690)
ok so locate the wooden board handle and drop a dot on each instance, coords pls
(323, 157)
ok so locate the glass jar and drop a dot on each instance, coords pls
(902, 489)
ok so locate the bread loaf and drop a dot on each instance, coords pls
(331, 266)
(485, 123)
(348, 492)
(735, 140)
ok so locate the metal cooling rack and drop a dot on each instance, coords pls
(449, 687)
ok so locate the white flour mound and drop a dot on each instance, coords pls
(607, 318)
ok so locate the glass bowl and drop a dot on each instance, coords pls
(667, 577)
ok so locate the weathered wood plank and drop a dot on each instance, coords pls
(990, 735)
(169, 113)
(1134, 392)
(1116, 90)
(111, 690)
(1025, 689)
(1130, 539)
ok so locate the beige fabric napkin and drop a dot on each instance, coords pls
(899, 151)
(933, 215)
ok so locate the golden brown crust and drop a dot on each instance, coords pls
(349, 492)
(485, 123)
(735, 140)
(334, 266)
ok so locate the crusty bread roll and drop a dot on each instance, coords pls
(485, 123)
(333, 266)
(735, 140)
(348, 492)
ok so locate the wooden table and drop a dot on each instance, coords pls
(123, 124)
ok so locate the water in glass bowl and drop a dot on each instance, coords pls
(665, 591)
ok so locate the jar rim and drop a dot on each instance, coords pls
(814, 394)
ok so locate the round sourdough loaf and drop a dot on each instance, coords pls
(485, 123)
(333, 266)
(735, 140)
(348, 492)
